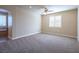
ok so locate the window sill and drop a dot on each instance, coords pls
(3, 29)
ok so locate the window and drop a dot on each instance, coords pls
(9, 20)
(3, 21)
(55, 21)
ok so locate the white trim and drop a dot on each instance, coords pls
(25, 35)
(68, 36)
(78, 25)
(9, 37)
(62, 35)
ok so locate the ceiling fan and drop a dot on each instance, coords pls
(46, 11)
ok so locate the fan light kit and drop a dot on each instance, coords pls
(45, 11)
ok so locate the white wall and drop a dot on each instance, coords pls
(27, 22)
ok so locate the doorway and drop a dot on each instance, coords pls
(5, 24)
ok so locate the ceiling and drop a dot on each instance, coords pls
(58, 8)
(55, 8)
(61, 7)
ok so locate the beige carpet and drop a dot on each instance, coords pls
(41, 43)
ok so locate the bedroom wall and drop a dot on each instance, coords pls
(27, 22)
(69, 24)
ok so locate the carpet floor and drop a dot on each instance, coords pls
(40, 43)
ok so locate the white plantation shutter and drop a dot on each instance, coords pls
(55, 21)
(51, 21)
(58, 21)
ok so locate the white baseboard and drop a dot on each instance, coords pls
(9, 37)
(77, 38)
(25, 35)
(63, 35)
(68, 36)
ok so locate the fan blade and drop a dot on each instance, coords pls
(50, 10)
